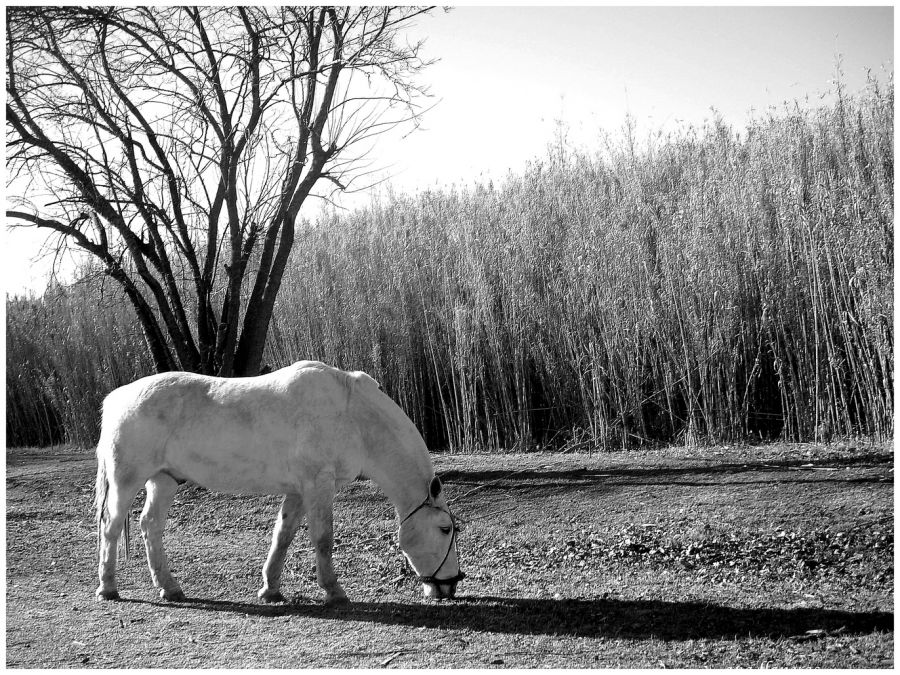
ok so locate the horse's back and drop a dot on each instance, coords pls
(306, 385)
(257, 434)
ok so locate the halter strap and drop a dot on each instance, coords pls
(415, 510)
(433, 578)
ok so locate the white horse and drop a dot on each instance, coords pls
(303, 431)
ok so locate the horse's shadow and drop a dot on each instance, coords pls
(610, 618)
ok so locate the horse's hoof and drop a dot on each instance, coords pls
(107, 595)
(270, 596)
(172, 596)
(337, 601)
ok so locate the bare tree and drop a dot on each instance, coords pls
(178, 144)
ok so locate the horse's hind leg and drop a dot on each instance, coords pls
(118, 502)
(286, 526)
(161, 491)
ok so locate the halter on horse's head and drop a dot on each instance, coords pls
(429, 543)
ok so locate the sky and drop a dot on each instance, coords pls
(506, 77)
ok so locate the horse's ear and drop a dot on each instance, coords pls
(435, 488)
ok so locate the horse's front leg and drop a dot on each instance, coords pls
(320, 516)
(289, 518)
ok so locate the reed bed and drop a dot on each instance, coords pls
(706, 286)
(64, 352)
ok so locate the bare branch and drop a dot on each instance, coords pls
(178, 144)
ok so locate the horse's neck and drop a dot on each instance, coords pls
(404, 480)
(397, 458)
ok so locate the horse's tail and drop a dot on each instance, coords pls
(101, 495)
(101, 492)
(125, 539)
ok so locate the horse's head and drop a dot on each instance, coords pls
(428, 540)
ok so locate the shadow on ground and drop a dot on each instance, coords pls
(696, 475)
(608, 618)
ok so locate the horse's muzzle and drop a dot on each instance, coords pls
(439, 591)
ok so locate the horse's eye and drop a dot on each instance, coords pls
(446, 530)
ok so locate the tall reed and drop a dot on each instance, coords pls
(704, 286)
(709, 286)
(64, 352)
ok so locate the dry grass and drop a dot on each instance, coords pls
(573, 560)
(64, 353)
(701, 287)
(704, 288)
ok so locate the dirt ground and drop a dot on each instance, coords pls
(778, 556)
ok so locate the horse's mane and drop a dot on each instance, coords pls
(350, 380)
(361, 379)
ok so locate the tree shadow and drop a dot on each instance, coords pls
(695, 475)
(607, 618)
